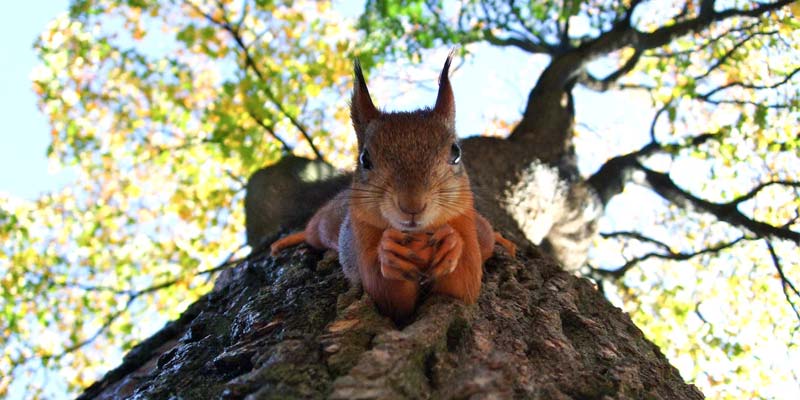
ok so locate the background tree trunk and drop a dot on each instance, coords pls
(290, 327)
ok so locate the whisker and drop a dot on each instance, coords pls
(440, 180)
(379, 185)
(374, 192)
(453, 190)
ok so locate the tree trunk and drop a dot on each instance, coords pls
(290, 327)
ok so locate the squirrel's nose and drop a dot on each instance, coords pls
(412, 208)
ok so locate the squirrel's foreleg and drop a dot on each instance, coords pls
(286, 242)
(460, 278)
(487, 237)
(384, 265)
(322, 230)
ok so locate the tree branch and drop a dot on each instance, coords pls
(664, 35)
(786, 284)
(776, 106)
(662, 184)
(271, 130)
(668, 254)
(609, 82)
(709, 42)
(624, 35)
(251, 64)
(545, 115)
(753, 192)
(787, 78)
(728, 54)
(530, 29)
(520, 43)
(611, 178)
(638, 236)
(132, 296)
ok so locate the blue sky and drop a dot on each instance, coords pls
(24, 136)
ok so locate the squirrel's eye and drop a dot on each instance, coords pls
(366, 163)
(455, 154)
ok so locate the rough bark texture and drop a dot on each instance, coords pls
(290, 327)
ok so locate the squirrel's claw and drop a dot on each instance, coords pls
(448, 253)
(393, 235)
(398, 262)
(401, 251)
(440, 234)
(396, 268)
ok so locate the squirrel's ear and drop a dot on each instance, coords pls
(362, 111)
(445, 102)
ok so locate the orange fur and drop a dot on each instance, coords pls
(510, 247)
(464, 282)
(395, 298)
(287, 241)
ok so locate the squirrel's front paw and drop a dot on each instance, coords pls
(448, 244)
(401, 257)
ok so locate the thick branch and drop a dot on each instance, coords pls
(520, 43)
(624, 35)
(292, 320)
(611, 178)
(546, 113)
(663, 185)
(662, 36)
(705, 44)
(610, 81)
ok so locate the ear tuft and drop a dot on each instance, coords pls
(362, 110)
(445, 102)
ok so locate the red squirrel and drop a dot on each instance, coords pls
(408, 220)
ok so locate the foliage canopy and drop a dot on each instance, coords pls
(165, 108)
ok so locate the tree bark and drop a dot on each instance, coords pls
(290, 327)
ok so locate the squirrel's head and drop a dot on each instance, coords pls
(409, 174)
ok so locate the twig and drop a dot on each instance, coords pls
(271, 130)
(786, 284)
(743, 85)
(618, 272)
